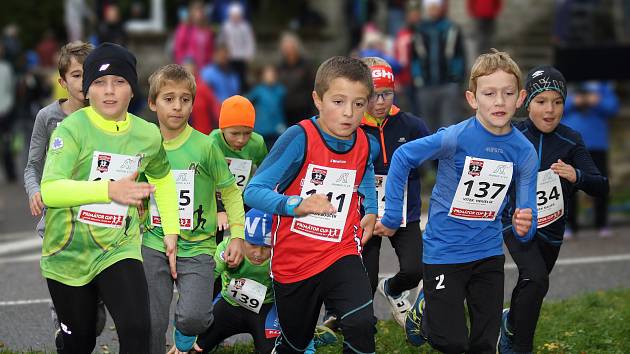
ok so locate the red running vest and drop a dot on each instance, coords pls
(296, 257)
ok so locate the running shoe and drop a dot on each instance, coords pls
(413, 322)
(399, 304)
(324, 336)
(505, 339)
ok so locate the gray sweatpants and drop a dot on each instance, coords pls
(195, 279)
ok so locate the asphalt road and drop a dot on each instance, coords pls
(585, 265)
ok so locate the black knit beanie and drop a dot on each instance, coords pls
(544, 78)
(110, 59)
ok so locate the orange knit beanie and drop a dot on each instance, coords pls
(237, 111)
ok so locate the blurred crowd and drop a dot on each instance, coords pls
(217, 41)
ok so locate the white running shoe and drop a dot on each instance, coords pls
(400, 305)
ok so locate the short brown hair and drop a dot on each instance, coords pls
(78, 50)
(372, 61)
(170, 72)
(346, 67)
(489, 63)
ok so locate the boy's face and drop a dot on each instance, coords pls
(381, 103)
(173, 105)
(72, 81)
(237, 136)
(110, 95)
(545, 110)
(342, 107)
(257, 254)
(496, 99)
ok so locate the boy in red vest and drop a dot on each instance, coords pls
(314, 180)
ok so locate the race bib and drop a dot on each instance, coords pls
(248, 293)
(381, 180)
(481, 189)
(550, 203)
(272, 323)
(185, 186)
(338, 185)
(241, 170)
(112, 167)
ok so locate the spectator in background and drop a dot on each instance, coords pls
(402, 54)
(296, 75)
(221, 9)
(237, 34)
(205, 111)
(7, 100)
(373, 45)
(588, 109)
(11, 43)
(46, 49)
(220, 76)
(112, 28)
(74, 12)
(485, 13)
(193, 37)
(438, 67)
(268, 99)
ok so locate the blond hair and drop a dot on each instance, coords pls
(173, 73)
(372, 61)
(78, 50)
(489, 63)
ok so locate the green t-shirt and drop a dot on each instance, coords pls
(246, 269)
(193, 150)
(74, 252)
(255, 151)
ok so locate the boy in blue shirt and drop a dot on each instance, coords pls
(463, 256)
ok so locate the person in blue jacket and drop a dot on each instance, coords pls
(462, 245)
(588, 110)
(564, 167)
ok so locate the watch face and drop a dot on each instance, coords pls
(294, 201)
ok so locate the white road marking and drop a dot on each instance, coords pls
(25, 302)
(20, 245)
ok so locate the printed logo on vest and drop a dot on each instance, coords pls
(103, 163)
(318, 176)
(474, 169)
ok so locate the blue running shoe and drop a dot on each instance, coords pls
(505, 339)
(183, 342)
(324, 336)
(413, 322)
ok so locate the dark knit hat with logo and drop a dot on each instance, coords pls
(544, 78)
(110, 59)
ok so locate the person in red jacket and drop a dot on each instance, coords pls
(205, 112)
(485, 13)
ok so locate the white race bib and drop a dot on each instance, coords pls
(112, 167)
(381, 180)
(248, 293)
(550, 203)
(338, 185)
(481, 189)
(185, 186)
(241, 170)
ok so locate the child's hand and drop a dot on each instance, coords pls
(36, 204)
(367, 224)
(315, 204)
(565, 171)
(129, 192)
(522, 221)
(234, 252)
(170, 243)
(383, 231)
(222, 221)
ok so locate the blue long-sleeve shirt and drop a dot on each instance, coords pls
(284, 162)
(449, 240)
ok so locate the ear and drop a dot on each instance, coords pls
(62, 82)
(152, 105)
(472, 101)
(317, 100)
(521, 98)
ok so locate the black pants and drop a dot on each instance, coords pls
(123, 289)
(534, 260)
(230, 320)
(407, 243)
(446, 286)
(346, 289)
(600, 206)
